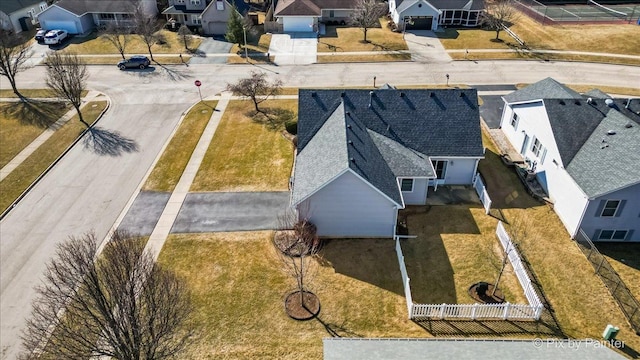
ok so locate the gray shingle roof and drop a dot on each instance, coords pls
(606, 163)
(382, 136)
(310, 7)
(80, 7)
(9, 6)
(445, 4)
(544, 89)
(596, 93)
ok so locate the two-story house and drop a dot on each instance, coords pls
(584, 150)
(20, 15)
(209, 17)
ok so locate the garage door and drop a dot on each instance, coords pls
(70, 26)
(420, 23)
(217, 28)
(297, 24)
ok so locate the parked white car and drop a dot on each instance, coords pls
(54, 37)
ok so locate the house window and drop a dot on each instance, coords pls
(514, 120)
(406, 185)
(43, 7)
(107, 17)
(332, 13)
(536, 147)
(195, 2)
(613, 234)
(610, 208)
(220, 5)
(441, 168)
(196, 19)
(179, 1)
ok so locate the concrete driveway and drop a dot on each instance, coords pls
(425, 47)
(211, 46)
(294, 48)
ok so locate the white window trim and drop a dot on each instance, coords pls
(613, 232)
(514, 120)
(412, 184)
(539, 149)
(605, 207)
(434, 163)
(196, 19)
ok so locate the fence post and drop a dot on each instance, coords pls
(505, 315)
(442, 310)
(538, 312)
(410, 311)
(473, 311)
(599, 266)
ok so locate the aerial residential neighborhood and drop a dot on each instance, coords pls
(319, 179)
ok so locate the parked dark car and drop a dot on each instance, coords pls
(40, 35)
(138, 61)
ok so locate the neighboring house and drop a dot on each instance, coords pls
(211, 16)
(362, 155)
(20, 15)
(428, 15)
(83, 16)
(585, 152)
(304, 15)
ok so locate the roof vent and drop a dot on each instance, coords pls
(626, 106)
(604, 146)
(589, 100)
(370, 98)
(432, 94)
(350, 142)
(348, 113)
(342, 94)
(313, 94)
(401, 94)
(609, 102)
(577, 102)
(628, 126)
(562, 102)
(611, 132)
(352, 160)
(461, 94)
(349, 126)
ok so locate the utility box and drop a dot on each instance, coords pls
(610, 332)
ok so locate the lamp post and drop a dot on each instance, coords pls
(447, 79)
(404, 25)
(374, 81)
(244, 32)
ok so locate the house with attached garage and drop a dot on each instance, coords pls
(305, 15)
(363, 155)
(211, 16)
(83, 16)
(20, 15)
(429, 14)
(584, 149)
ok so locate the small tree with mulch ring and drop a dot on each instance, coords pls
(297, 244)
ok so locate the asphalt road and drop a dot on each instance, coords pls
(87, 190)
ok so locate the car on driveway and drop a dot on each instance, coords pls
(55, 37)
(137, 61)
(40, 35)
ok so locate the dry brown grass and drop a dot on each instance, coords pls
(617, 39)
(351, 39)
(239, 288)
(246, 155)
(93, 44)
(582, 304)
(167, 172)
(625, 259)
(542, 57)
(455, 248)
(257, 49)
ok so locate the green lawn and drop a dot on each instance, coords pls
(246, 155)
(168, 170)
(21, 123)
(20, 178)
(239, 287)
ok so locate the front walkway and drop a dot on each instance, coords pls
(294, 48)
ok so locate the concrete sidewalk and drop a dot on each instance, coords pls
(171, 210)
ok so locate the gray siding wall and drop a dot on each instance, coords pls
(459, 171)
(627, 217)
(419, 194)
(348, 207)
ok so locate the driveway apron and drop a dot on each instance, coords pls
(294, 48)
(210, 46)
(425, 47)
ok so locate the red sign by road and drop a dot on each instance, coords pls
(198, 83)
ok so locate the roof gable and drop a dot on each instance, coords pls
(402, 161)
(444, 4)
(311, 7)
(544, 89)
(81, 7)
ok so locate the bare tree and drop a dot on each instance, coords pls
(67, 77)
(14, 53)
(498, 15)
(257, 88)
(147, 27)
(366, 15)
(118, 304)
(186, 35)
(117, 36)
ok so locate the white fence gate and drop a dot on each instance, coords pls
(481, 190)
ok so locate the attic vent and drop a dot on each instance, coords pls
(628, 126)
(609, 102)
(401, 94)
(342, 94)
(577, 102)
(432, 94)
(562, 102)
(313, 94)
(611, 132)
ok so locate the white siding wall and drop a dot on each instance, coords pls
(348, 207)
(459, 171)
(569, 200)
(627, 218)
(419, 194)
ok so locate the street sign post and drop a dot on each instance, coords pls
(198, 83)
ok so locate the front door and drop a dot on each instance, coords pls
(525, 143)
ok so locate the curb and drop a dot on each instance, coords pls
(56, 161)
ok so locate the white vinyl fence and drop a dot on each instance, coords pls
(481, 190)
(504, 311)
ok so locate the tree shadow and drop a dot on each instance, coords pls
(173, 73)
(40, 113)
(339, 331)
(331, 46)
(273, 118)
(106, 142)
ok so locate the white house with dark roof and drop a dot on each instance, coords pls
(429, 14)
(362, 155)
(304, 15)
(20, 15)
(584, 149)
(83, 16)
